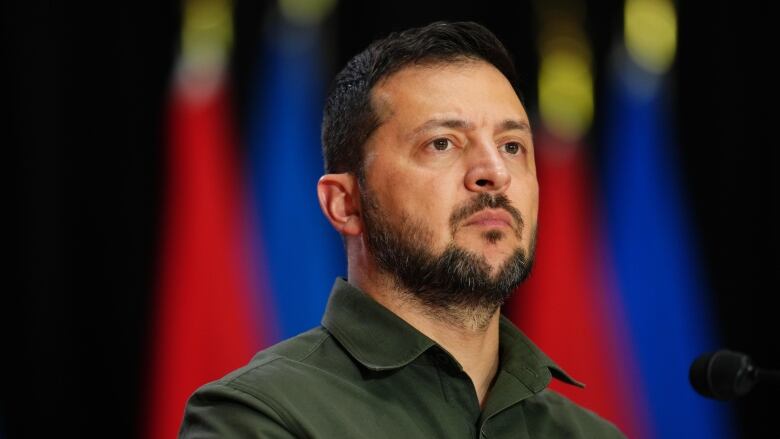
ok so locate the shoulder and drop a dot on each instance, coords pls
(259, 395)
(551, 411)
(293, 361)
(297, 372)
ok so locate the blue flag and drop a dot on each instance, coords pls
(302, 254)
(653, 245)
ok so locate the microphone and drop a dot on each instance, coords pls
(727, 375)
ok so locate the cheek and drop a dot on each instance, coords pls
(425, 198)
(526, 197)
(534, 197)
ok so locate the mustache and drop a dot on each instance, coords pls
(485, 201)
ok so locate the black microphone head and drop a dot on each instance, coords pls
(722, 375)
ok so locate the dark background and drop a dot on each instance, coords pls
(84, 91)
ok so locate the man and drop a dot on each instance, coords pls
(431, 182)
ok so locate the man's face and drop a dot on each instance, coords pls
(451, 170)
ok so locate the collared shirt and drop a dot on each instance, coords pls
(366, 373)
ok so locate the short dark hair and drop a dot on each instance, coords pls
(349, 118)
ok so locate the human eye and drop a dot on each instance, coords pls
(512, 148)
(441, 144)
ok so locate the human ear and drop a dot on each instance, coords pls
(340, 202)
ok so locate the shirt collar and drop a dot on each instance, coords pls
(523, 359)
(380, 340)
(371, 333)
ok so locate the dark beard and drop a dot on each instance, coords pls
(456, 282)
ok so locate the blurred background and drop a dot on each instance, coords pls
(164, 158)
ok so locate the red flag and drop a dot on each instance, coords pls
(204, 313)
(565, 306)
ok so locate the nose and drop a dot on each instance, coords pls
(487, 171)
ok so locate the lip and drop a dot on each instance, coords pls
(490, 218)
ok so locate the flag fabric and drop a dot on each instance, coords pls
(220, 300)
(616, 297)
(304, 253)
(669, 321)
(205, 323)
(567, 306)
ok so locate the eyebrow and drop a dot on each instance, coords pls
(512, 124)
(460, 124)
(442, 123)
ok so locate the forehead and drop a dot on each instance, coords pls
(469, 89)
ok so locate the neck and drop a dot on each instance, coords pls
(472, 341)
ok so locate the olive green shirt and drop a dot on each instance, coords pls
(366, 373)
